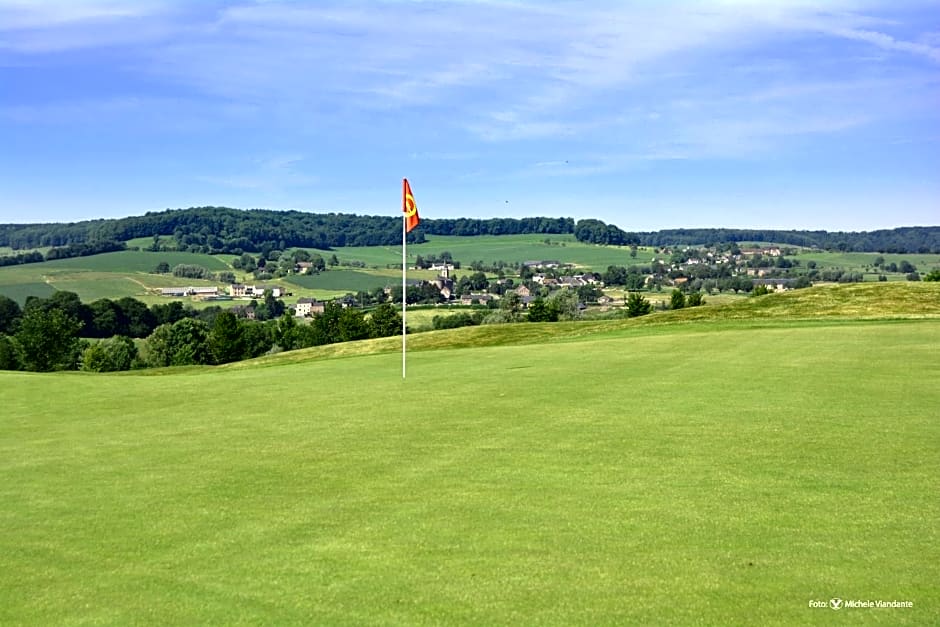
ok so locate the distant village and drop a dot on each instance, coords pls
(691, 269)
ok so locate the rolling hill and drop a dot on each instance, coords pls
(730, 469)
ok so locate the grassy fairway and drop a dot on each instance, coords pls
(704, 473)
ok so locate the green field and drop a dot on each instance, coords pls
(21, 291)
(858, 262)
(6, 250)
(493, 248)
(671, 469)
(342, 280)
(109, 275)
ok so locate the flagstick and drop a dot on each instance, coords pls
(404, 294)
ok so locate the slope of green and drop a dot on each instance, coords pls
(493, 248)
(135, 261)
(861, 261)
(668, 475)
(109, 275)
(825, 304)
(21, 291)
(340, 280)
(853, 300)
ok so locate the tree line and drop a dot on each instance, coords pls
(227, 230)
(63, 252)
(62, 333)
(916, 239)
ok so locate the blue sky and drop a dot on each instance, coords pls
(650, 115)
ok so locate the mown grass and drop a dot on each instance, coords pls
(714, 474)
(848, 304)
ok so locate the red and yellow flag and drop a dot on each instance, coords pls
(409, 207)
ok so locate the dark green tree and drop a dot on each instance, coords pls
(140, 320)
(107, 319)
(48, 340)
(567, 304)
(168, 313)
(511, 305)
(10, 313)
(226, 339)
(541, 311)
(257, 339)
(637, 305)
(9, 353)
(677, 299)
(181, 343)
(246, 262)
(286, 334)
(67, 302)
(385, 321)
(353, 325)
(589, 293)
(111, 355)
(477, 281)
(325, 328)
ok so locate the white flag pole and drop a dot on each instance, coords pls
(404, 287)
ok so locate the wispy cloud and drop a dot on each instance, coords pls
(887, 42)
(59, 25)
(27, 14)
(471, 88)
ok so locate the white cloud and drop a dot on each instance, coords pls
(57, 26)
(503, 71)
(27, 14)
(887, 42)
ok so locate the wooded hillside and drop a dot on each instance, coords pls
(227, 230)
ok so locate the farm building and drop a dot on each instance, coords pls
(308, 306)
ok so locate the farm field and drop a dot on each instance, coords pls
(343, 281)
(492, 248)
(671, 469)
(109, 275)
(6, 250)
(858, 262)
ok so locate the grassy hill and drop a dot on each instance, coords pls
(127, 273)
(665, 470)
(109, 275)
(493, 248)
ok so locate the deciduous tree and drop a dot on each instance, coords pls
(226, 340)
(10, 313)
(48, 340)
(385, 321)
(182, 343)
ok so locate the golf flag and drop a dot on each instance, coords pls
(409, 207)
